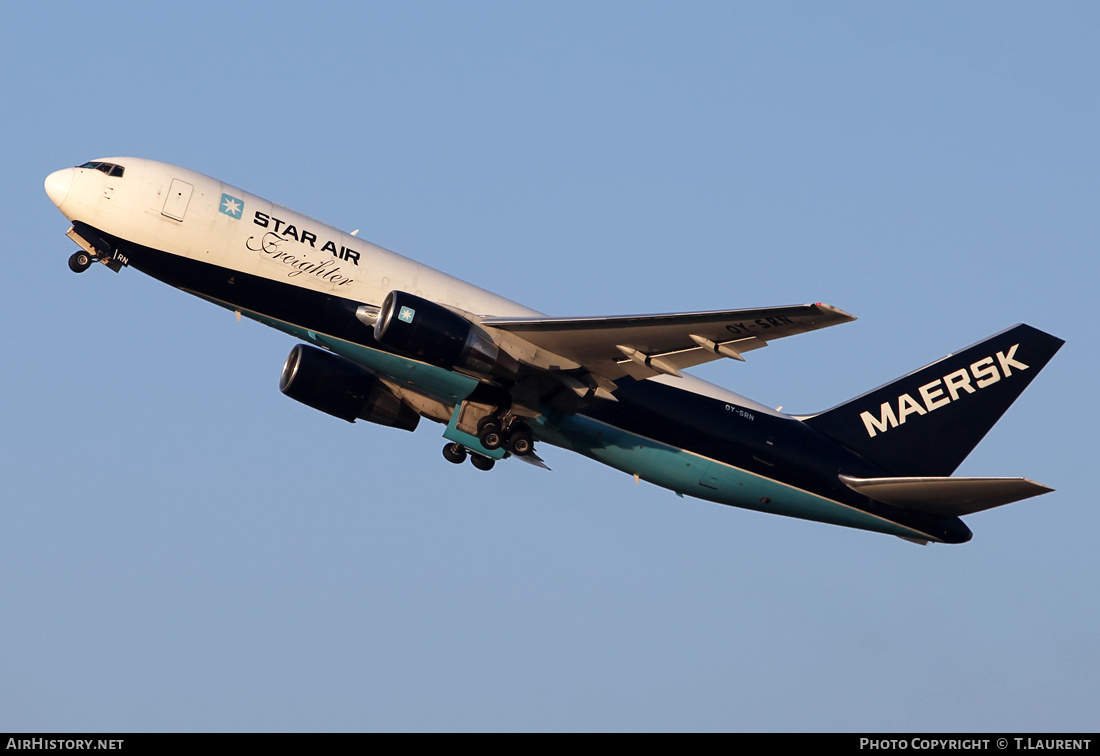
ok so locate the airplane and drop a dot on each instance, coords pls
(390, 341)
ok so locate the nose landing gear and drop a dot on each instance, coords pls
(80, 262)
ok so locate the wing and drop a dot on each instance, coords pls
(642, 346)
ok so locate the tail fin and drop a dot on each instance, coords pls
(926, 423)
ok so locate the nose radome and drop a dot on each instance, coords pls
(58, 183)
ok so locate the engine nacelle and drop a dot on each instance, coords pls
(420, 328)
(339, 387)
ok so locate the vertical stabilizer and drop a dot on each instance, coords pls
(926, 423)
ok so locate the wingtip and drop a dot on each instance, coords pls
(836, 311)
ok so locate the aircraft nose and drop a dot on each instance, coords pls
(58, 183)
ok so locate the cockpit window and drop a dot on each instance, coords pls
(109, 168)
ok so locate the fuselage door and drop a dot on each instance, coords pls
(175, 204)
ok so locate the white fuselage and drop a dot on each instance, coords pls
(184, 213)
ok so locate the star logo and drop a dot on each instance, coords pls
(406, 314)
(232, 206)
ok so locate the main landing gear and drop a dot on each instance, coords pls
(457, 453)
(513, 435)
(493, 433)
(454, 453)
(482, 463)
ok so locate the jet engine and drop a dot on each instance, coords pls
(420, 328)
(339, 387)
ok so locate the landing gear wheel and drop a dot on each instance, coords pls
(520, 443)
(482, 463)
(489, 434)
(455, 453)
(80, 262)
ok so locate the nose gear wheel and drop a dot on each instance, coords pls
(80, 262)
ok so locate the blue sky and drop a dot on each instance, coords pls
(183, 548)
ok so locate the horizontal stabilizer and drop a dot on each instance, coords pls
(946, 497)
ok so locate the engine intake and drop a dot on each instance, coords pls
(339, 387)
(420, 328)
